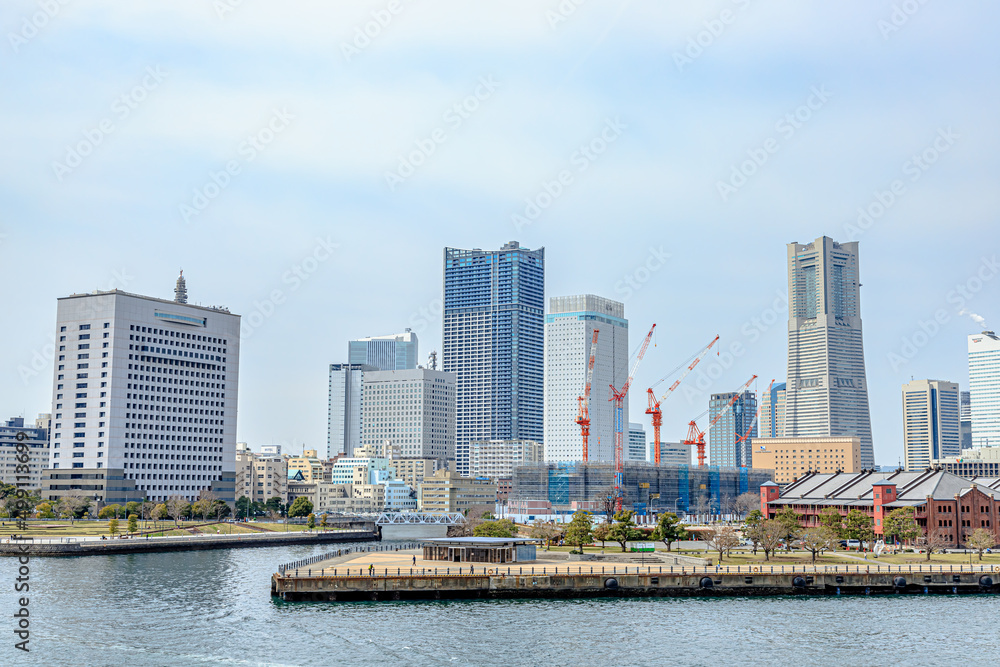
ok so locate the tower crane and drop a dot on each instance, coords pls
(696, 437)
(583, 416)
(618, 398)
(654, 405)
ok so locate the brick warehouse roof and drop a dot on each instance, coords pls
(855, 489)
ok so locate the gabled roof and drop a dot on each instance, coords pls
(856, 488)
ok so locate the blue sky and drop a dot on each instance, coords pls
(243, 140)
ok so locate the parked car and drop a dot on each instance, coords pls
(854, 544)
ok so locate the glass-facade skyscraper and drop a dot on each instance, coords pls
(493, 341)
(730, 441)
(386, 353)
(827, 390)
(984, 389)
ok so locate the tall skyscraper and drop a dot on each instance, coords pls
(826, 393)
(984, 389)
(772, 412)
(144, 399)
(569, 330)
(930, 422)
(494, 313)
(386, 353)
(965, 417)
(343, 422)
(730, 441)
(410, 409)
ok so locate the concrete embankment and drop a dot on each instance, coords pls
(65, 547)
(486, 582)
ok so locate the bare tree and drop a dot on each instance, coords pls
(981, 540)
(722, 540)
(608, 498)
(747, 502)
(768, 534)
(176, 505)
(545, 530)
(702, 506)
(935, 542)
(71, 504)
(817, 540)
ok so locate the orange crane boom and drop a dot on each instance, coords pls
(618, 397)
(696, 437)
(760, 405)
(654, 405)
(583, 416)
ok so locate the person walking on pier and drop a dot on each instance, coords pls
(371, 570)
(414, 561)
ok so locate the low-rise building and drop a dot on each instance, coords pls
(309, 464)
(24, 467)
(973, 462)
(791, 458)
(944, 504)
(414, 471)
(447, 491)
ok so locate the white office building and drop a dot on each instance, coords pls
(24, 451)
(569, 328)
(636, 448)
(671, 453)
(397, 352)
(144, 398)
(984, 389)
(411, 409)
(827, 390)
(343, 421)
(930, 422)
(496, 459)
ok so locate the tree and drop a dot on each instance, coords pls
(789, 521)
(981, 540)
(109, 511)
(220, 509)
(858, 526)
(147, 510)
(817, 540)
(580, 530)
(323, 520)
(177, 507)
(311, 521)
(747, 502)
(669, 530)
(901, 524)
(133, 523)
(113, 526)
(722, 540)
(73, 506)
(750, 530)
(545, 530)
(274, 504)
(273, 515)
(935, 542)
(623, 529)
(44, 511)
(200, 506)
(301, 506)
(131, 507)
(160, 512)
(608, 498)
(768, 534)
(602, 532)
(501, 528)
(244, 506)
(702, 506)
(832, 519)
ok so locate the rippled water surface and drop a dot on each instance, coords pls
(214, 607)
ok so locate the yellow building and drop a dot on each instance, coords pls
(446, 491)
(791, 458)
(309, 464)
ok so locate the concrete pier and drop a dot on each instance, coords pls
(345, 583)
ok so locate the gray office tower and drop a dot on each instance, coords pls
(386, 353)
(827, 393)
(494, 319)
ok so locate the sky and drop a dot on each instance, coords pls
(306, 163)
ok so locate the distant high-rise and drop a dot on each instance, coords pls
(930, 422)
(730, 441)
(772, 412)
(569, 330)
(965, 417)
(494, 314)
(984, 389)
(343, 422)
(827, 392)
(386, 353)
(635, 447)
(413, 410)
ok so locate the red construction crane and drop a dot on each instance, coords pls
(760, 405)
(618, 397)
(654, 405)
(583, 417)
(696, 437)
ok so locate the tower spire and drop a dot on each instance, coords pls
(180, 291)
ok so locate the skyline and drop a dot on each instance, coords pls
(311, 246)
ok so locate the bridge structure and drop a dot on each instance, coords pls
(417, 525)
